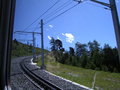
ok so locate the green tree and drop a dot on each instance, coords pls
(57, 49)
(52, 43)
(111, 59)
(71, 51)
(94, 54)
(58, 44)
(84, 60)
(80, 49)
(93, 47)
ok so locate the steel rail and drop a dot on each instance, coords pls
(42, 82)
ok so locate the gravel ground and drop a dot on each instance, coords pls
(20, 82)
(64, 84)
(18, 79)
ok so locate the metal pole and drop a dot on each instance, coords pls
(42, 45)
(116, 24)
(34, 47)
(28, 47)
(34, 56)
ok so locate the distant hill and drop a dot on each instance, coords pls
(20, 49)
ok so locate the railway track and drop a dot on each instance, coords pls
(46, 85)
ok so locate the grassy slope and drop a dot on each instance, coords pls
(104, 80)
(20, 49)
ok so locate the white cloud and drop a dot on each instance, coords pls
(49, 38)
(69, 37)
(58, 38)
(51, 26)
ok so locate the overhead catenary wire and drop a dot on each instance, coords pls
(42, 15)
(62, 7)
(19, 35)
(36, 27)
(58, 9)
(22, 36)
(61, 13)
(55, 11)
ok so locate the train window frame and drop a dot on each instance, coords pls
(7, 11)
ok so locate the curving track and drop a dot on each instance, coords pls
(42, 82)
(26, 76)
(19, 80)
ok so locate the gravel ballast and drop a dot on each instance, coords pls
(60, 82)
(18, 80)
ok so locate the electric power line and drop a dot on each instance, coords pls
(62, 13)
(42, 14)
(36, 27)
(58, 9)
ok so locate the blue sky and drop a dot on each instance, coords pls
(86, 22)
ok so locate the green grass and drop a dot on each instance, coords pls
(19, 49)
(103, 81)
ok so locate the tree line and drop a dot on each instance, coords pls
(90, 55)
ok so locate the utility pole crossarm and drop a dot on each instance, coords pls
(99, 2)
(23, 40)
(102, 3)
(26, 32)
(79, 1)
(21, 32)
